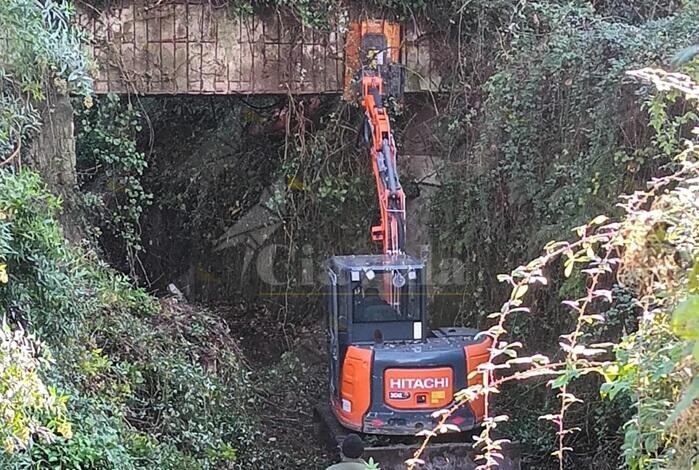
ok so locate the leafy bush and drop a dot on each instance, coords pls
(653, 253)
(26, 403)
(559, 135)
(40, 44)
(150, 386)
(542, 131)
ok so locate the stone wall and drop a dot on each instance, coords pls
(186, 46)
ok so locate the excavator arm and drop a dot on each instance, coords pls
(382, 151)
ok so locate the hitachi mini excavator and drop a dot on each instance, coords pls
(388, 371)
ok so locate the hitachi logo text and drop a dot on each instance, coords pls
(426, 384)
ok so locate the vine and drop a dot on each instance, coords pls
(653, 251)
(110, 169)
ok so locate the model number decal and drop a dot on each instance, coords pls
(398, 395)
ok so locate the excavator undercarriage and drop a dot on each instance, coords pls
(445, 452)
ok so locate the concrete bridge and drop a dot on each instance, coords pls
(190, 47)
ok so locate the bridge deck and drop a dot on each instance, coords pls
(189, 47)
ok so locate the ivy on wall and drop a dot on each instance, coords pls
(110, 167)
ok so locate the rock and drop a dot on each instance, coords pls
(175, 292)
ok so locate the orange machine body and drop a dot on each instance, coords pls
(390, 389)
(355, 387)
(477, 354)
(388, 371)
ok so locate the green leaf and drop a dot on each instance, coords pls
(600, 219)
(559, 381)
(693, 282)
(568, 267)
(689, 396)
(519, 291)
(685, 319)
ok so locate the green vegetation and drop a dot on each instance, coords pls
(326, 14)
(110, 168)
(31, 410)
(558, 136)
(545, 136)
(41, 49)
(146, 385)
(653, 252)
(134, 383)
(540, 130)
(657, 364)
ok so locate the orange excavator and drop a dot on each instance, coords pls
(389, 372)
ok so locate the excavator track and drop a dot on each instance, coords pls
(448, 452)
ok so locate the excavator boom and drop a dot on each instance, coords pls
(382, 150)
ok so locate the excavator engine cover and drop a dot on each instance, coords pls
(389, 373)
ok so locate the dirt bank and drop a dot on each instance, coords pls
(288, 372)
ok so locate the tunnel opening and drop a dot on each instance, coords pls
(247, 197)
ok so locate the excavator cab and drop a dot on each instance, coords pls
(376, 298)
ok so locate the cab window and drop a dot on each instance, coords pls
(386, 296)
